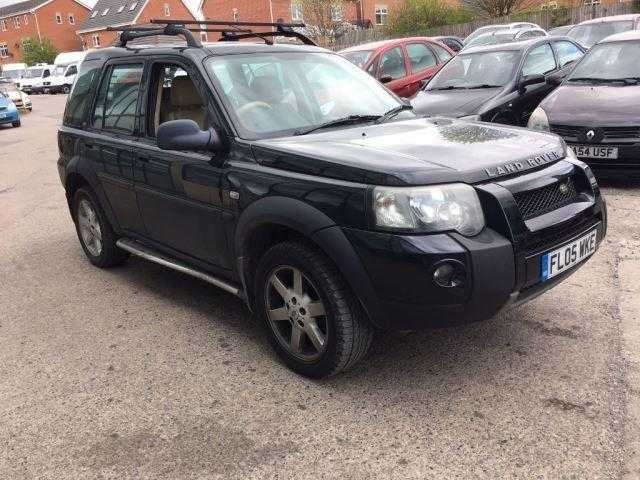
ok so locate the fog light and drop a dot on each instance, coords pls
(449, 274)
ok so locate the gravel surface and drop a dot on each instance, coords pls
(140, 372)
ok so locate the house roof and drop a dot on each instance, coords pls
(108, 13)
(29, 5)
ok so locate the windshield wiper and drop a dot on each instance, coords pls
(484, 85)
(449, 87)
(339, 121)
(393, 112)
(596, 80)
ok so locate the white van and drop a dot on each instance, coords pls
(35, 78)
(13, 71)
(64, 75)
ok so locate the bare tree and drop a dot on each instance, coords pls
(324, 18)
(496, 8)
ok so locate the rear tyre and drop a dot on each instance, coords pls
(315, 323)
(16, 124)
(96, 236)
(66, 89)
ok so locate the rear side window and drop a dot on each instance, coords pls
(118, 99)
(420, 57)
(80, 98)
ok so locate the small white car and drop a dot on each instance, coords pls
(19, 98)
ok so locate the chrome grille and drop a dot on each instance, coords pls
(546, 199)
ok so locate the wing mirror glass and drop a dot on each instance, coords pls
(532, 80)
(186, 135)
(386, 78)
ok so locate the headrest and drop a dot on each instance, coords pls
(184, 93)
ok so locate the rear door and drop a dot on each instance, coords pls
(111, 136)
(423, 64)
(179, 192)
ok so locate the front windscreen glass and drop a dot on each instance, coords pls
(477, 70)
(358, 57)
(34, 73)
(609, 62)
(283, 93)
(590, 34)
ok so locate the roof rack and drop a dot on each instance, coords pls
(234, 33)
(130, 33)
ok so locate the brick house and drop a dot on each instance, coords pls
(56, 20)
(362, 12)
(119, 13)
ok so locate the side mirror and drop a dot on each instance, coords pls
(386, 78)
(555, 80)
(531, 80)
(186, 135)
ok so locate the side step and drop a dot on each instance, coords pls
(154, 256)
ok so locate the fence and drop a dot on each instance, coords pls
(547, 19)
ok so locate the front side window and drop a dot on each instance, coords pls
(278, 94)
(609, 62)
(72, 70)
(382, 14)
(477, 70)
(420, 57)
(566, 52)
(539, 61)
(117, 101)
(392, 64)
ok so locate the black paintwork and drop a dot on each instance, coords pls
(218, 213)
(511, 104)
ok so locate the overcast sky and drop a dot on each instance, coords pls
(192, 3)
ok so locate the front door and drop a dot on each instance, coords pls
(179, 192)
(539, 61)
(392, 70)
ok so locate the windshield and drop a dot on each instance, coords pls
(34, 73)
(609, 61)
(282, 93)
(475, 70)
(14, 74)
(358, 57)
(8, 87)
(590, 34)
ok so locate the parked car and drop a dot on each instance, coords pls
(401, 64)
(327, 205)
(8, 111)
(19, 98)
(499, 83)
(36, 78)
(493, 28)
(505, 36)
(13, 71)
(560, 31)
(597, 108)
(590, 32)
(454, 43)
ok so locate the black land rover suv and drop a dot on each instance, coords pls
(289, 177)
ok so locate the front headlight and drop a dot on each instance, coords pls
(538, 120)
(439, 208)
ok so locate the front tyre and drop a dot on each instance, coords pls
(96, 236)
(314, 321)
(16, 124)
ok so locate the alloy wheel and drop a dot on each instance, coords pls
(296, 314)
(89, 228)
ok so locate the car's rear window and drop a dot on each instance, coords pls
(358, 57)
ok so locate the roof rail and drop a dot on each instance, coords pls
(130, 33)
(234, 33)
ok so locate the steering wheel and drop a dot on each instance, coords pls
(248, 107)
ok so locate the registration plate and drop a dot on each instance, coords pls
(595, 151)
(562, 259)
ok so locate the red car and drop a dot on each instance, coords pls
(401, 64)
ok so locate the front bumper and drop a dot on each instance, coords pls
(502, 263)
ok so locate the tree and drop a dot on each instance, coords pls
(324, 19)
(36, 50)
(419, 16)
(496, 8)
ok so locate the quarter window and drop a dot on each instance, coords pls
(442, 53)
(566, 52)
(392, 64)
(539, 61)
(382, 14)
(420, 57)
(117, 101)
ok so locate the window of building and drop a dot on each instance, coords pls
(336, 13)
(4, 50)
(120, 9)
(58, 18)
(105, 11)
(382, 14)
(72, 19)
(16, 22)
(93, 15)
(203, 37)
(549, 6)
(236, 14)
(167, 10)
(96, 40)
(133, 6)
(3, 25)
(117, 101)
(26, 19)
(296, 12)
